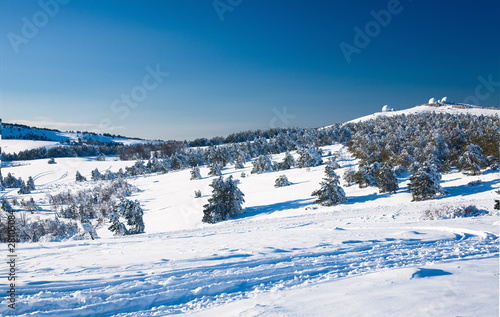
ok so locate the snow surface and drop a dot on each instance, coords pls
(284, 256)
(16, 146)
(438, 109)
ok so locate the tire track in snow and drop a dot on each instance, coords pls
(211, 281)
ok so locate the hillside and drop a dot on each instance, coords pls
(376, 254)
(17, 137)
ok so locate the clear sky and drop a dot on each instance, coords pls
(186, 69)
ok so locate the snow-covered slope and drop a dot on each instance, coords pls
(438, 108)
(16, 138)
(283, 256)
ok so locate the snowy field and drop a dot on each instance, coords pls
(284, 256)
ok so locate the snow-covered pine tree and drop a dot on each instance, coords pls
(240, 161)
(132, 211)
(30, 183)
(225, 202)
(95, 175)
(117, 227)
(330, 167)
(424, 184)
(472, 160)
(281, 181)
(308, 157)
(330, 193)
(350, 177)
(288, 162)
(195, 173)
(262, 164)
(23, 189)
(197, 193)
(79, 177)
(215, 169)
(387, 179)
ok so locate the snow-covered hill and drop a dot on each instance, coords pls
(283, 256)
(16, 138)
(438, 108)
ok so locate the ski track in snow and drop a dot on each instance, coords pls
(175, 286)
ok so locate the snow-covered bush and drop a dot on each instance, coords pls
(51, 161)
(197, 193)
(281, 181)
(387, 179)
(450, 212)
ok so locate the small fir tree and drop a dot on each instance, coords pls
(330, 193)
(79, 177)
(387, 179)
(195, 173)
(215, 169)
(225, 202)
(30, 183)
(262, 164)
(424, 184)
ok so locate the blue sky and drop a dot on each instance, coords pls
(265, 63)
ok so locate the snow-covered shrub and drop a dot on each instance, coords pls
(197, 193)
(101, 157)
(29, 205)
(51, 161)
(281, 181)
(450, 212)
(474, 183)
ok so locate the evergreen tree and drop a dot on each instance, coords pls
(225, 202)
(132, 211)
(95, 175)
(117, 227)
(23, 190)
(288, 162)
(262, 164)
(215, 169)
(309, 157)
(424, 184)
(472, 160)
(350, 177)
(281, 181)
(197, 193)
(240, 161)
(79, 177)
(387, 179)
(330, 193)
(30, 184)
(195, 173)
(330, 168)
